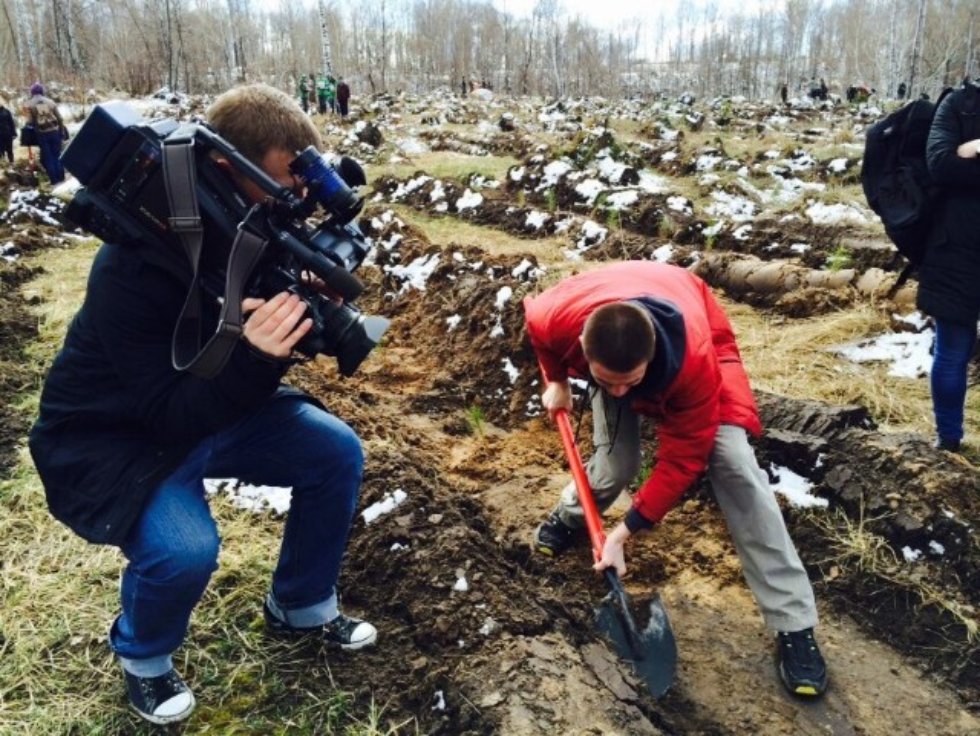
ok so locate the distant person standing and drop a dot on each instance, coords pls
(8, 131)
(311, 90)
(784, 93)
(901, 90)
(322, 93)
(303, 91)
(462, 86)
(332, 93)
(343, 97)
(43, 114)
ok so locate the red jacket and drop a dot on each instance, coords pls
(710, 386)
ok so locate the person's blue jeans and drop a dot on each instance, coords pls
(954, 348)
(173, 548)
(50, 149)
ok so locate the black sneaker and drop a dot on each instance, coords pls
(947, 445)
(801, 666)
(554, 536)
(344, 632)
(162, 699)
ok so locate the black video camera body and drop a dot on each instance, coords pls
(125, 199)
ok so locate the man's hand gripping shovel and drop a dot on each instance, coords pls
(652, 650)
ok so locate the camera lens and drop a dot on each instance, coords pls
(326, 186)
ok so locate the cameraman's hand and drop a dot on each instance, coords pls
(275, 326)
(557, 395)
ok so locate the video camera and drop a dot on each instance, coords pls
(128, 197)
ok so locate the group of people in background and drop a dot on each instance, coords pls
(323, 93)
(818, 90)
(45, 128)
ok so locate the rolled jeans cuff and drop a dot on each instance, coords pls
(308, 617)
(149, 667)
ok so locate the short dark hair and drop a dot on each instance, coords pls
(619, 336)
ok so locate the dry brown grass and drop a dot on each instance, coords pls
(792, 357)
(447, 232)
(858, 550)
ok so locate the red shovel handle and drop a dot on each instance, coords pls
(592, 520)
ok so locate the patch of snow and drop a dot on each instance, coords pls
(415, 274)
(250, 497)
(511, 370)
(680, 204)
(835, 214)
(536, 219)
(589, 189)
(739, 209)
(795, 488)
(653, 183)
(389, 503)
(553, 172)
(907, 352)
(469, 200)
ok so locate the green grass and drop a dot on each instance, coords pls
(445, 165)
(60, 595)
(476, 420)
(447, 231)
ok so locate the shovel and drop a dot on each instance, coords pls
(650, 650)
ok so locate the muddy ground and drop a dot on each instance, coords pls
(448, 412)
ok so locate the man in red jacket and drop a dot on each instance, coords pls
(652, 341)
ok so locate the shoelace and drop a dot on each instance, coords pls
(802, 646)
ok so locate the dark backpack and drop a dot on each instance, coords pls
(896, 179)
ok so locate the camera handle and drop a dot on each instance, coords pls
(179, 176)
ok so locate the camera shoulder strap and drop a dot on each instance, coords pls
(179, 174)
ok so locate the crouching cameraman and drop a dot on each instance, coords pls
(124, 441)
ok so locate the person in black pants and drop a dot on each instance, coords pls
(8, 131)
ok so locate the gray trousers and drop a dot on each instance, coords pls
(771, 566)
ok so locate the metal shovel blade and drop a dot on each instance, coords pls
(647, 644)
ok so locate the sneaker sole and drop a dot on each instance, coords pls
(163, 720)
(546, 551)
(803, 691)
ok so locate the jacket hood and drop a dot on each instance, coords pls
(668, 325)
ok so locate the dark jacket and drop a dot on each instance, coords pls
(8, 129)
(949, 279)
(695, 383)
(116, 418)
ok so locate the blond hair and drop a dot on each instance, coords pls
(257, 118)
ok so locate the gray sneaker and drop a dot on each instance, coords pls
(162, 699)
(343, 632)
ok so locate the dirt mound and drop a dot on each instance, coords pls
(18, 327)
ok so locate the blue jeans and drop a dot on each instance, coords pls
(173, 549)
(50, 149)
(954, 348)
